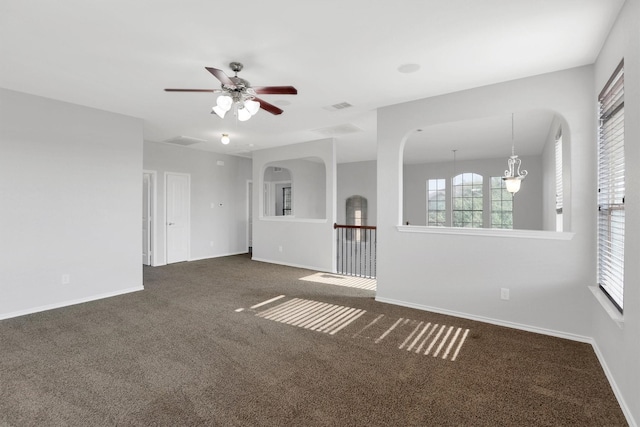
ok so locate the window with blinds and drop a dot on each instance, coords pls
(559, 197)
(611, 188)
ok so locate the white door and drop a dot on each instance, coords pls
(177, 217)
(146, 218)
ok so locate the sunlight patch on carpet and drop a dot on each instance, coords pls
(313, 315)
(426, 338)
(339, 280)
(418, 337)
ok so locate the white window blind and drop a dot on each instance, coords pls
(611, 188)
(559, 173)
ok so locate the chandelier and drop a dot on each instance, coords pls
(513, 176)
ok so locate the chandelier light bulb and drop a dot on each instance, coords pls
(225, 139)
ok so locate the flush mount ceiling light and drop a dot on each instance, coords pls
(239, 96)
(513, 176)
(225, 139)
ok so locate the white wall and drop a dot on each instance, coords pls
(301, 242)
(619, 347)
(219, 204)
(357, 179)
(547, 273)
(527, 213)
(70, 186)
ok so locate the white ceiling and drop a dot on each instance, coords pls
(486, 138)
(119, 56)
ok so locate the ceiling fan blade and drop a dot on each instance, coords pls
(193, 90)
(220, 75)
(268, 107)
(275, 90)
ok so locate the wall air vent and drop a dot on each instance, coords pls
(184, 140)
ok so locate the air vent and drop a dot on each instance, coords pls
(340, 106)
(338, 130)
(184, 140)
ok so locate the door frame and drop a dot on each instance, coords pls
(153, 209)
(249, 231)
(166, 224)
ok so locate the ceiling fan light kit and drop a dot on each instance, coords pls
(239, 95)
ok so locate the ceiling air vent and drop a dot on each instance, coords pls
(184, 140)
(337, 107)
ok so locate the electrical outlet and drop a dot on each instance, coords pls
(504, 294)
(66, 279)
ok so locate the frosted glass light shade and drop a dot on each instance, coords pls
(224, 102)
(219, 111)
(252, 106)
(225, 139)
(513, 184)
(243, 114)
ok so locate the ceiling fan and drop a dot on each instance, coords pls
(239, 95)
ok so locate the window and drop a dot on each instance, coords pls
(501, 204)
(436, 202)
(286, 201)
(467, 200)
(611, 188)
(356, 215)
(559, 198)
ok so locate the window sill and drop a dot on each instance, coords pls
(489, 232)
(611, 310)
(291, 218)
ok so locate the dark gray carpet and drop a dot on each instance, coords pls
(179, 354)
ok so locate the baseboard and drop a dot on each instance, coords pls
(288, 264)
(614, 386)
(528, 328)
(71, 302)
(217, 256)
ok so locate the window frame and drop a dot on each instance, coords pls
(611, 189)
(504, 197)
(440, 191)
(474, 186)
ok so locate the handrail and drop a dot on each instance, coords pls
(361, 227)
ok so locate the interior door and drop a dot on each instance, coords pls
(146, 218)
(177, 217)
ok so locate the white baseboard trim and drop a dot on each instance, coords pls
(217, 256)
(520, 326)
(614, 386)
(288, 264)
(70, 302)
(558, 334)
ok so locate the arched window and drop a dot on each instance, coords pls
(467, 200)
(356, 215)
